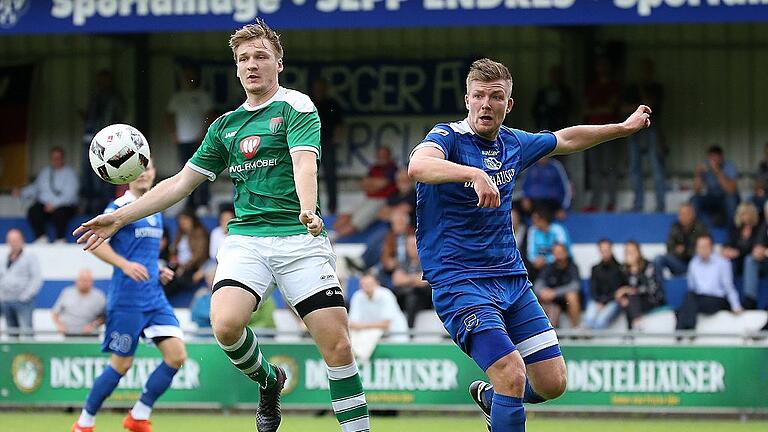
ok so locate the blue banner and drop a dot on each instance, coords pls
(116, 16)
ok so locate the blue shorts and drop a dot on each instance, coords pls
(124, 328)
(506, 305)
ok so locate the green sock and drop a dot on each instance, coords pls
(348, 398)
(246, 356)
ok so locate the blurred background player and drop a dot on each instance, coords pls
(136, 308)
(466, 172)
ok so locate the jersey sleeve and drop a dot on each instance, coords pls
(535, 146)
(440, 137)
(302, 126)
(210, 158)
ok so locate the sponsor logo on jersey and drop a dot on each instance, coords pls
(490, 152)
(11, 11)
(499, 179)
(327, 276)
(251, 165)
(230, 134)
(492, 163)
(249, 145)
(275, 123)
(438, 131)
(148, 232)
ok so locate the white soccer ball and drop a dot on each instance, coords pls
(119, 153)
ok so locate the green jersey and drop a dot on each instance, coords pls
(255, 144)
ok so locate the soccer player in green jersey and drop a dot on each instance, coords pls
(270, 146)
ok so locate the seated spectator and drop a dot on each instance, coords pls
(558, 287)
(546, 185)
(542, 236)
(20, 280)
(378, 185)
(393, 248)
(80, 309)
(641, 292)
(760, 188)
(219, 233)
(189, 254)
(606, 278)
(742, 236)
(716, 193)
(54, 193)
(710, 286)
(375, 307)
(756, 264)
(681, 244)
(404, 199)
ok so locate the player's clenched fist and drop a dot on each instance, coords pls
(487, 192)
(312, 221)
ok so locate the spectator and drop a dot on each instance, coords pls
(520, 230)
(606, 278)
(760, 190)
(755, 264)
(20, 280)
(715, 188)
(543, 234)
(553, 103)
(375, 307)
(105, 107)
(189, 112)
(681, 244)
(80, 309)
(219, 233)
(403, 200)
(378, 185)
(54, 192)
(602, 106)
(331, 126)
(649, 92)
(710, 286)
(189, 254)
(546, 184)
(641, 292)
(558, 287)
(393, 248)
(742, 236)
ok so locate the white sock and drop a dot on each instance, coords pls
(141, 411)
(86, 420)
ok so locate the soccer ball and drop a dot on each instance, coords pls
(119, 153)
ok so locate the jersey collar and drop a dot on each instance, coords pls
(277, 96)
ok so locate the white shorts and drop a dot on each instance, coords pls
(300, 266)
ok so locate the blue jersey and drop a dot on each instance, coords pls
(456, 239)
(138, 242)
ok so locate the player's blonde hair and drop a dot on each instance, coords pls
(257, 30)
(486, 70)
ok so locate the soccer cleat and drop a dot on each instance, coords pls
(77, 428)
(268, 415)
(477, 390)
(134, 425)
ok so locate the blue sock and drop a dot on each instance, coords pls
(104, 385)
(157, 383)
(507, 414)
(531, 396)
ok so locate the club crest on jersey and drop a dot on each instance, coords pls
(249, 145)
(492, 163)
(275, 123)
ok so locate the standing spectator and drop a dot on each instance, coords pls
(742, 236)
(105, 107)
(189, 254)
(553, 103)
(715, 188)
(20, 280)
(331, 125)
(80, 309)
(54, 192)
(710, 286)
(756, 264)
(607, 276)
(219, 233)
(558, 287)
(649, 92)
(641, 292)
(543, 234)
(546, 184)
(375, 307)
(603, 99)
(681, 243)
(189, 112)
(378, 185)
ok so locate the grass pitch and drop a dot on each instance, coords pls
(31, 421)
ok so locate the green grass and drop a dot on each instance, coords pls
(29, 421)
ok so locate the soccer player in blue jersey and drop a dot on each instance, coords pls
(136, 308)
(466, 172)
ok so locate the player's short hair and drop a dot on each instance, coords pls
(486, 70)
(257, 30)
(715, 149)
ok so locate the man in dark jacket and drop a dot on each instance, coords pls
(607, 277)
(558, 287)
(681, 243)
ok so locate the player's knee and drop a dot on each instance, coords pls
(226, 330)
(176, 360)
(554, 388)
(508, 375)
(121, 364)
(340, 352)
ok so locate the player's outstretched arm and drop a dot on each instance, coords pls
(305, 179)
(577, 138)
(167, 193)
(131, 269)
